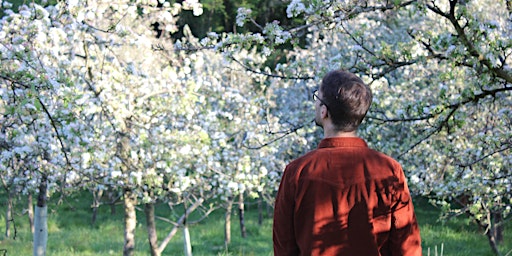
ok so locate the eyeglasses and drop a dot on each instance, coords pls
(316, 97)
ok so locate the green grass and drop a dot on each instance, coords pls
(458, 236)
(71, 233)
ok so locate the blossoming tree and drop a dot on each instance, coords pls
(441, 74)
(92, 96)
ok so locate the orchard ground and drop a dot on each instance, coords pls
(71, 232)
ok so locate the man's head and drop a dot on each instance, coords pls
(346, 99)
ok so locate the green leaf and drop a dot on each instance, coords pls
(37, 104)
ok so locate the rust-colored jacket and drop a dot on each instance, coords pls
(344, 199)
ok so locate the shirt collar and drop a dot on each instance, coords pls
(342, 142)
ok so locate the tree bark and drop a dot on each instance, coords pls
(187, 247)
(492, 233)
(130, 222)
(8, 215)
(129, 197)
(227, 223)
(492, 242)
(41, 220)
(96, 194)
(241, 213)
(497, 218)
(30, 210)
(112, 199)
(41, 230)
(186, 241)
(180, 222)
(149, 211)
(260, 209)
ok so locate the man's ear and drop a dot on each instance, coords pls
(324, 113)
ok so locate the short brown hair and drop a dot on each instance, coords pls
(347, 97)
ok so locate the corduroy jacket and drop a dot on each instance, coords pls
(344, 198)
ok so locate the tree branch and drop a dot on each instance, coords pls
(247, 68)
(436, 129)
(284, 134)
(171, 234)
(508, 146)
(53, 123)
(499, 72)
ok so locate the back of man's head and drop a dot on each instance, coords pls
(348, 98)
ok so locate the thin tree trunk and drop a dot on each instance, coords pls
(180, 222)
(41, 220)
(186, 241)
(491, 234)
(227, 222)
(130, 222)
(241, 213)
(149, 210)
(129, 197)
(187, 247)
(112, 201)
(41, 230)
(492, 242)
(96, 194)
(8, 215)
(260, 209)
(497, 218)
(30, 210)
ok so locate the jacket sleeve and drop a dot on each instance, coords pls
(283, 233)
(405, 233)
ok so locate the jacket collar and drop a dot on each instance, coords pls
(342, 142)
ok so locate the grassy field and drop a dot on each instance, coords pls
(71, 233)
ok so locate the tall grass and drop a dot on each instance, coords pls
(71, 232)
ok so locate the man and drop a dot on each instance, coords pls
(344, 198)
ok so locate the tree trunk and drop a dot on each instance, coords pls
(180, 222)
(187, 247)
(41, 230)
(96, 194)
(497, 221)
(41, 220)
(227, 223)
(186, 241)
(492, 233)
(130, 222)
(270, 209)
(112, 201)
(30, 211)
(241, 212)
(149, 211)
(492, 242)
(260, 209)
(8, 215)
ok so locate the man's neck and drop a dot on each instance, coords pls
(329, 133)
(330, 130)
